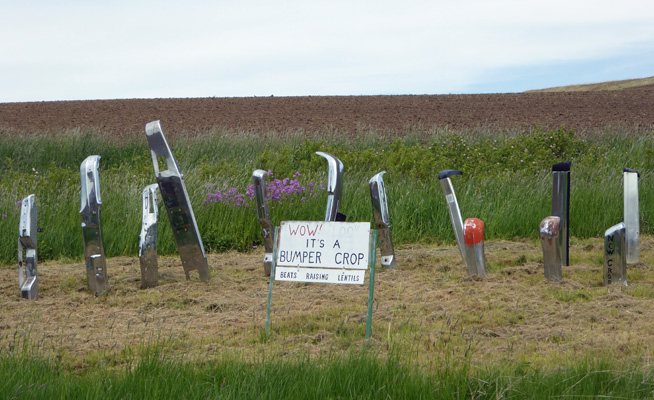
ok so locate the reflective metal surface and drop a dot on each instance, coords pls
(615, 256)
(453, 207)
(561, 205)
(96, 267)
(263, 215)
(549, 240)
(178, 205)
(334, 187)
(473, 231)
(382, 220)
(148, 238)
(27, 238)
(631, 215)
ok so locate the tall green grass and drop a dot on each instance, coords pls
(359, 375)
(506, 182)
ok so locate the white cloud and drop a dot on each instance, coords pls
(115, 49)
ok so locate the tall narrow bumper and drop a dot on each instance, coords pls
(631, 215)
(382, 220)
(334, 187)
(561, 205)
(549, 240)
(27, 241)
(91, 202)
(473, 230)
(263, 216)
(148, 238)
(615, 255)
(453, 207)
(178, 206)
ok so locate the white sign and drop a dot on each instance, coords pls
(323, 244)
(315, 251)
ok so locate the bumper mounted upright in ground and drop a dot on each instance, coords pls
(263, 215)
(334, 187)
(549, 240)
(178, 206)
(91, 202)
(561, 205)
(27, 238)
(615, 255)
(382, 220)
(148, 238)
(631, 215)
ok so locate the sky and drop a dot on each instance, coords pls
(83, 50)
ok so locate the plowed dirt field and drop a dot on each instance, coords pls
(581, 111)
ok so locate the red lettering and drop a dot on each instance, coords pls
(313, 232)
(303, 230)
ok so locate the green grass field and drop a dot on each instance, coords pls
(506, 183)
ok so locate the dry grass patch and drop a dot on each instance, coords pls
(592, 87)
(429, 306)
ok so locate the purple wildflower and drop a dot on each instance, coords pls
(277, 191)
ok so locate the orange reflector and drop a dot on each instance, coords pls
(473, 231)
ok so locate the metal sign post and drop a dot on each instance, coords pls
(178, 205)
(148, 239)
(631, 215)
(561, 205)
(382, 220)
(272, 279)
(263, 215)
(27, 238)
(324, 252)
(371, 281)
(96, 267)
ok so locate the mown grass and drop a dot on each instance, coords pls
(506, 183)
